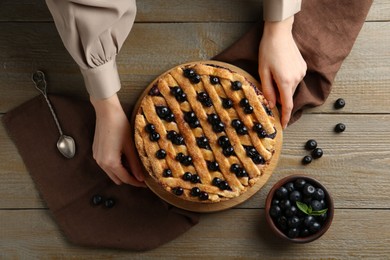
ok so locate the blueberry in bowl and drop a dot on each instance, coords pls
(299, 209)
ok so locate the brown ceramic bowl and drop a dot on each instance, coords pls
(325, 224)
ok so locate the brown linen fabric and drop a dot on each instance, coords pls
(325, 31)
(138, 221)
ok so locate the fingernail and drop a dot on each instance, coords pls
(271, 104)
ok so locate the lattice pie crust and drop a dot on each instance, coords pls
(205, 133)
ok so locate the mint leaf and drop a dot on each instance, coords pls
(302, 206)
(319, 212)
(308, 210)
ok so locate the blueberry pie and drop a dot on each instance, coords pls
(205, 133)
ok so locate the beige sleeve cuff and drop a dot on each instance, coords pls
(279, 10)
(102, 81)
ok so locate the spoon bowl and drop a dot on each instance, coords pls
(66, 146)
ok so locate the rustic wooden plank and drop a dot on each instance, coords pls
(363, 79)
(354, 165)
(173, 11)
(353, 234)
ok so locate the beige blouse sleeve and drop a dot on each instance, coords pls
(279, 10)
(93, 31)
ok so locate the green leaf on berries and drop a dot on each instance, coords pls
(303, 207)
(308, 210)
(318, 212)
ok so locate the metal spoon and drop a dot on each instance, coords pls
(65, 144)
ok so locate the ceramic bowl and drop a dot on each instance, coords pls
(284, 227)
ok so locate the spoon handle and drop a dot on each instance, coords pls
(38, 78)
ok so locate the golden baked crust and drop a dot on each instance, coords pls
(205, 133)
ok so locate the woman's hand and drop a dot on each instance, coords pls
(280, 62)
(112, 140)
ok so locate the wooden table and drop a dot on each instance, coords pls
(355, 167)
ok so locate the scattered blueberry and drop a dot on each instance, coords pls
(307, 159)
(311, 144)
(109, 203)
(317, 153)
(340, 127)
(96, 199)
(340, 103)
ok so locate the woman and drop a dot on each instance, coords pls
(93, 33)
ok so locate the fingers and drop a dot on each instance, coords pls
(267, 87)
(117, 172)
(136, 168)
(286, 100)
(113, 167)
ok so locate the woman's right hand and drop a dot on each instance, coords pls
(281, 66)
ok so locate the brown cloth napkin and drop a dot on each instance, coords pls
(325, 31)
(139, 220)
